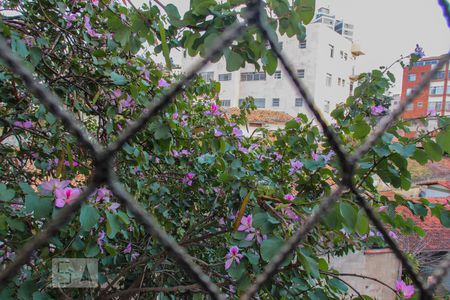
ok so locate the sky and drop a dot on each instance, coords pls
(387, 29)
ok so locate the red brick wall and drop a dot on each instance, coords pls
(417, 112)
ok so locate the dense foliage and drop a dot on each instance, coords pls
(192, 167)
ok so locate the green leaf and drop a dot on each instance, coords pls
(5, 193)
(338, 284)
(40, 207)
(404, 150)
(306, 10)
(233, 59)
(443, 140)
(162, 133)
(112, 225)
(420, 156)
(26, 290)
(360, 130)
(444, 216)
(348, 213)
(362, 222)
(309, 263)
(165, 47)
(118, 79)
(271, 62)
(270, 247)
(41, 296)
(89, 217)
(433, 150)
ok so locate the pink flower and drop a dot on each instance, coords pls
(127, 249)
(53, 184)
(377, 110)
(314, 155)
(89, 30)
(233, 255)
(237, 132)
(382, 208)
(95, 2)
(288, 197)
(406, 290)
(393, 235)
(163, 83)
(246, 226)
(65, 196)
(126, 103)
(116, 93)
(188, 178)
(289, 213)
(174, 116)
(70, 17)
(214, 109)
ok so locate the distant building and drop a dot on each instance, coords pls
(433, 100)
(324, 16)
(323, 61)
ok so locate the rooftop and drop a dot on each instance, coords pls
(263, 116)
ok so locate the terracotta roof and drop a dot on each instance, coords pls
(264, 116)
(444, 183)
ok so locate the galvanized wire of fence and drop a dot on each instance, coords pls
(103, 172)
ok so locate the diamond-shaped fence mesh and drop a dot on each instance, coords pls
(103, 172)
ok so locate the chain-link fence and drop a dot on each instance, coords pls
(103, 161)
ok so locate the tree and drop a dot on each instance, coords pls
(191, 167)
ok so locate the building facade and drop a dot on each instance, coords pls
(434, 99)
(323, 62)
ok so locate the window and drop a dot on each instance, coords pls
(345, 56)
(260, 102)
(448, 89)
(302, 44)
(326, 107)
(253, 76)
(410, 107)
(342, 54)
(447, 106)
(298, 102)
(331, 50)
(301, 73)
(411, 77)
(339, 81)
(439, 75)
(277, 75)
(343, 82)
(275, 102)
(225, 102)
(434, 105)
(208, 76)
(419, 104)
(328, 79)
(408, 91)
(225, 77)
(437, 90)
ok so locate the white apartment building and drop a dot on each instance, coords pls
(323, 62)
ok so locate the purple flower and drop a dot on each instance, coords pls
(127, 249)
(233, 255)
(89, 30)
(246, 226)
(406, 290)
(419, 51)
(184, 120)
(217, 132)
(26, 124)
(116, 93)
(382, 208)
(237, 132)
(314, 155)
(174, 116)
(113, 207)
(101, 241)
(277, 155)
(242, 149)
(134, 256)
(214, 109)
(288, 212)
(393, 235)
(188, 178)
(163, 83)
(103, 194)
(126, 103)
(70, 17)
(296, 165)
(66, 196)
(53, 184)
(329, 156)
(377, 110)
